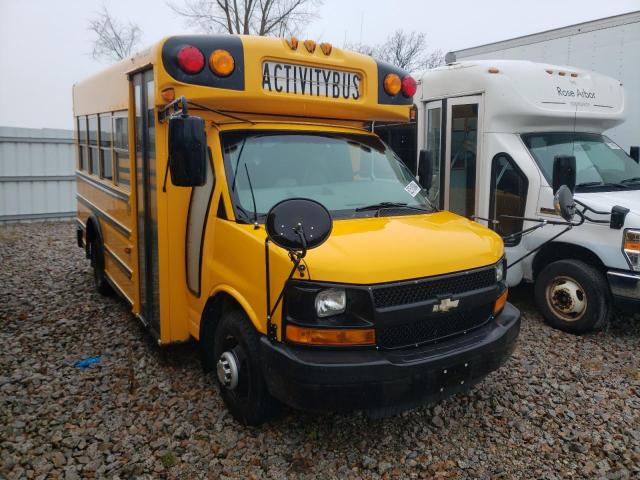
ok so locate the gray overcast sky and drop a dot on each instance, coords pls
(45, 44)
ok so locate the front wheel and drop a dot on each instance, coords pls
(573, 296)
(238, 371)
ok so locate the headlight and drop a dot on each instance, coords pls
(331, 301)
(500, 270)
(631, 248)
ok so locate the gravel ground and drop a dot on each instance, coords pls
(563, 407)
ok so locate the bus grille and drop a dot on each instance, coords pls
(433, 328)
(427, 289)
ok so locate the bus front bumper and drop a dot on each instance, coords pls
(318, 379)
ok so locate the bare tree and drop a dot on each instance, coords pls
(404, 50)
(361, 48)
(114, 39)
(248, 17)
(434, 59)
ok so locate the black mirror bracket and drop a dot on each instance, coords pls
(296, 257)
(177, 107)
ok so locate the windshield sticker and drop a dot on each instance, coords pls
(413, 188)
(613, 146)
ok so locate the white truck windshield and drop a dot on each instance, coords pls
(600, 163)
(351, 175)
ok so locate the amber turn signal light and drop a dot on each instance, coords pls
(330, 336)
(392, 84)
(631, 245)
(326, 48)
(222, 63)
(502, 299)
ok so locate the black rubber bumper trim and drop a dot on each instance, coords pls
(345, 380)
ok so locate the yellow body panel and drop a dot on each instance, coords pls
(359, 251)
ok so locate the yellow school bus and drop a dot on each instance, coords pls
(231, 190)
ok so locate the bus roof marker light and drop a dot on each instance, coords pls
(190, 59)
(392, 84)
(493, 70)
(549, 71)
(310, 45)
(326, 48)
(574, 75)
(292, 42)
(409, 86)
(222, 63)
(562, 74)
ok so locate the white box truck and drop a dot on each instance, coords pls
(492, 131)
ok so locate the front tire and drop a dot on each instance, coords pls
(238, 371)
(573, 296)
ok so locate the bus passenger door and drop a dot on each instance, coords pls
(146, 195)
(462, 155)
(434, 117)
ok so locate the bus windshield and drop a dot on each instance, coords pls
(600, 163)
(348, 174)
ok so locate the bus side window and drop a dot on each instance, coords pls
(508, 196)
(121, 149)
(106, 161)
(93, 145)
(81, 125)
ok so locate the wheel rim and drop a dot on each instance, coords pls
(566, 298)
(233, 370)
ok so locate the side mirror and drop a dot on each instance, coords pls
(187, 151)
(298, 224)
(564, 172)
(564, 203)
(425, 169)
(634, 152)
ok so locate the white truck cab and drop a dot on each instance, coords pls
(492, 130)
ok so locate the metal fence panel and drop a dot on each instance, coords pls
(37, 178)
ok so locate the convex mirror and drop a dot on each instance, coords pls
(564, 203)
(297, 224)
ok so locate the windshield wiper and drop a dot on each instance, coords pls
(381, 205)
(631, 180)
(601, 184)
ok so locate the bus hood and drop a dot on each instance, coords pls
(389, 249)
(605, 201)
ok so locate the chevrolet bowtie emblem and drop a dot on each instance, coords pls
(445, 305)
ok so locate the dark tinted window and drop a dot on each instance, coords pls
(508, 196)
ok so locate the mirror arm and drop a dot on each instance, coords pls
(171, 108)
(531, 252)
(569, 226)
(588, 208)
(296, 258)
(489, 220)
